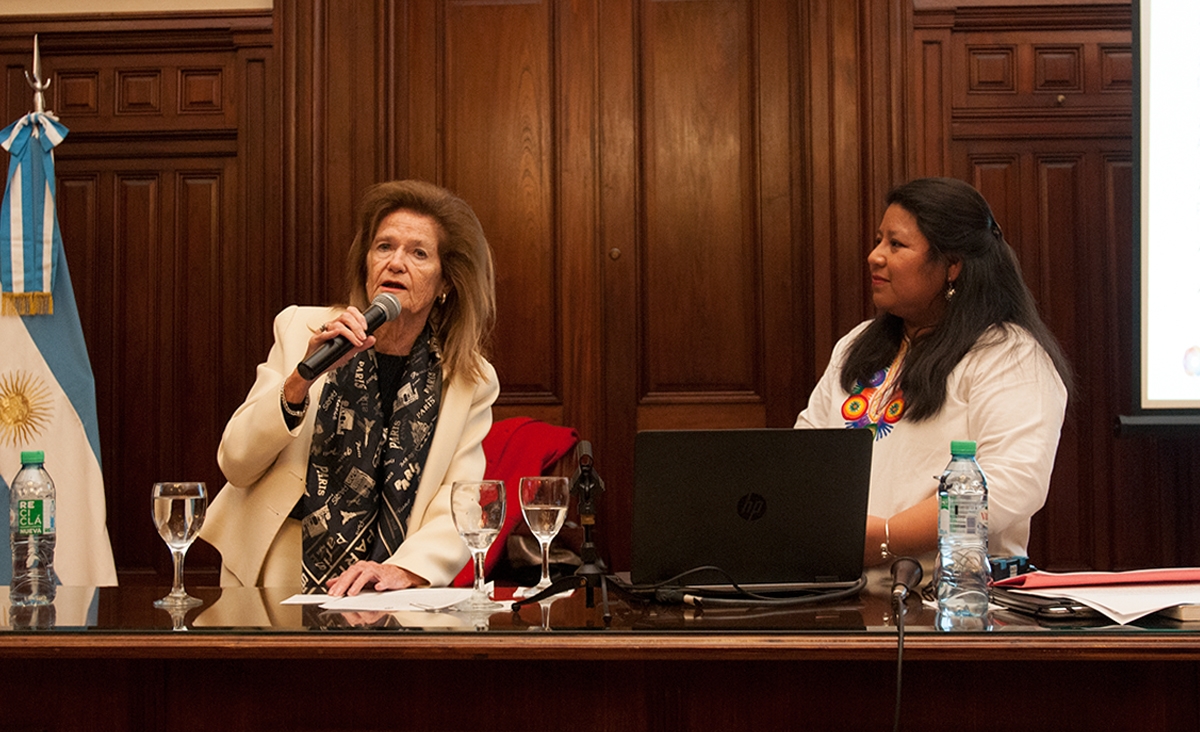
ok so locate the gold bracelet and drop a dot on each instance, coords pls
(287, 406)
(884, 548)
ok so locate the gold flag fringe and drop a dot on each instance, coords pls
(26, 303)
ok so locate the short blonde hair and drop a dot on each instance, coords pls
(463, 322)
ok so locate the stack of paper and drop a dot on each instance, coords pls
(1122, 596)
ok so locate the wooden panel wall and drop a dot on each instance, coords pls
(169, 220)
(636, 167)
(680, 195)
(1032, 105)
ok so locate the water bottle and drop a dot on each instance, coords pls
(963, 568)
(31, 531)
(31, 617)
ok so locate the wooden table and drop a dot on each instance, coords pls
(245, 662)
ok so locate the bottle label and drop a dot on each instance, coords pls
(35, 516)
(962, 516)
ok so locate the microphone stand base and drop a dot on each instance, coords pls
(587, 577)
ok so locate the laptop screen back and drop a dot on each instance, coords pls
(773, 508)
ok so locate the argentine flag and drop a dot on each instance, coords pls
(47, 392)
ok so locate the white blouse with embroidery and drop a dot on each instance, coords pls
(1005, 395)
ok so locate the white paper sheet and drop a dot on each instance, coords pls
(305, 600)
(1126, 603)
(423, 598)
(522, 592)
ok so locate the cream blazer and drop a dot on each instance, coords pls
(266, 465)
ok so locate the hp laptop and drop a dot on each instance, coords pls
(775, 509)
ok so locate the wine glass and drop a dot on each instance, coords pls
(478, 510)
(178, 512)
(544, 502)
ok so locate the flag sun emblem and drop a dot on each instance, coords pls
(24, 407)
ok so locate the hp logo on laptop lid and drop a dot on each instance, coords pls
(751, 506)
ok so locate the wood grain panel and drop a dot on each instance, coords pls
(200, 91)
(1119, 459)
(841, 223)
(78, 93)
(1046, 197)
(701, 330)
(253, 264)
(195, 288)
(679, 194)
(77, 199)
(992, 69)
(817, 208)
(347, 95)
(142, 321)
(151, 213)
(1116, 68)
(1114, 503)
(1053, 248)
(579, 252)
(17, 99)
(886, 33)
(419, 91)
(621, 241)
(1058, 69)
(1040, 69)
(854, 226)
(931, 108)
(301, 221)
(499, 150)
(785, 332)
(139, 92)
(751, 689)
(1060, 239)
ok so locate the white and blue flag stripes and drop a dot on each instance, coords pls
(47, 392)
(29, 232)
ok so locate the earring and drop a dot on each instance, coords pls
(950, 290)
(441, 300)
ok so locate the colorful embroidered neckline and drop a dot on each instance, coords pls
(877, 404)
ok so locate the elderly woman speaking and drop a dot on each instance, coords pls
(342, 481)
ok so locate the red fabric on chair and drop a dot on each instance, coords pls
(516, 448)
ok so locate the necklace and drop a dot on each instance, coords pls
(883, 394)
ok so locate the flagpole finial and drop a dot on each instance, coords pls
(35, 81)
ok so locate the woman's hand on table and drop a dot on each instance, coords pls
(365, 575)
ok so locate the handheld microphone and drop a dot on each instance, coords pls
(906, 575)
(384, 307)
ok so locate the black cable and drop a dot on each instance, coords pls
(671, 590)
(906, 576)
(754, 599)
(747, 612)
(900, 612)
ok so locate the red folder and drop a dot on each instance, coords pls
(1045, 580)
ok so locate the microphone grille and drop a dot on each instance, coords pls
(388, 303)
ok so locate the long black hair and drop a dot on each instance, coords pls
(989, 291)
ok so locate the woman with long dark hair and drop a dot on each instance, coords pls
(957, 351)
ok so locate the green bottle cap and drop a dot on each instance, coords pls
(33, 457)
(962, 447)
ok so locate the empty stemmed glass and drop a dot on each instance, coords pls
(178, 510)
(478, 510)
(544, 502)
